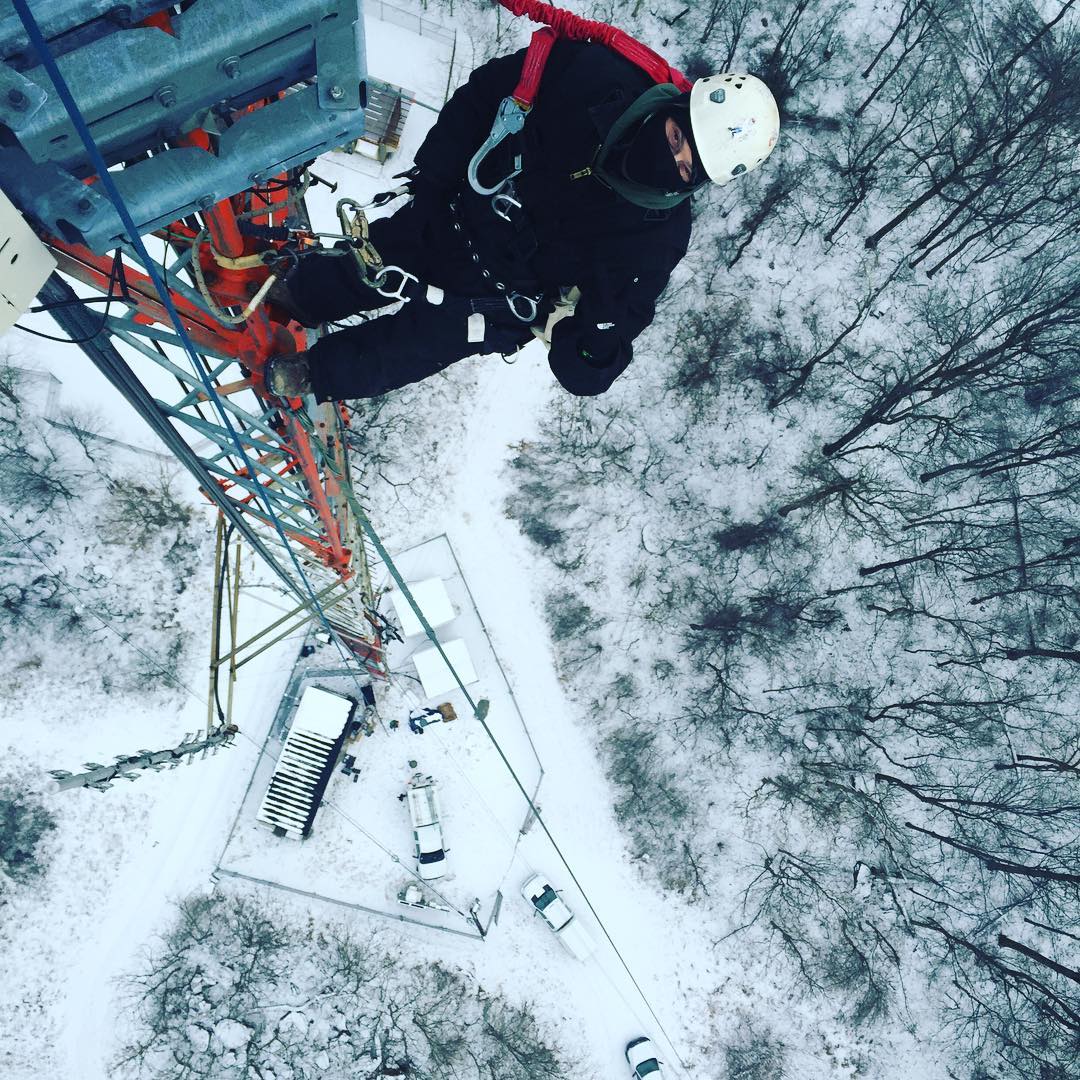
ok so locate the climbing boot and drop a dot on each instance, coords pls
(288, 375)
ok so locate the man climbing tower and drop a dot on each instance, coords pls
(591, 195)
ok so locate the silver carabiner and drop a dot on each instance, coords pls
(509, 120)
(513, 299)
(392, 294)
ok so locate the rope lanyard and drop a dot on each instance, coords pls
(510, 118)
(565, 24)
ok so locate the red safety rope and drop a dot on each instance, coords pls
(561, 23)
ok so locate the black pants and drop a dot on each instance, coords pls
(422, 338)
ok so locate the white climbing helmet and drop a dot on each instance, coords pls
(735, 123)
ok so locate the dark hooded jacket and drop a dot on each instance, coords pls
(573, 230)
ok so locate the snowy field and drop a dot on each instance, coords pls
(145, 845)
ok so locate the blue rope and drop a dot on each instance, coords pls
(48, 61)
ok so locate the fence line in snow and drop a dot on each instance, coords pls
(345, 903)
(378, 9)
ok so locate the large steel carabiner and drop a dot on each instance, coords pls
(355, 230)
(509, 120)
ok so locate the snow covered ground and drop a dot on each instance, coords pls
(665, 966)
(124, 855)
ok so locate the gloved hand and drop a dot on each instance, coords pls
(409, 176)
(586, 359)
(597, 345)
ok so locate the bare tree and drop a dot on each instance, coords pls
(234, 990)
(986, 340)
(1003, 123)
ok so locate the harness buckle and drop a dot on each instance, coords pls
(515, 298)
(509, 120)
(379, 282)
(503, 200)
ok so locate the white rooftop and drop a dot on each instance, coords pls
(435, 677)
(321, 713)
(433, 600)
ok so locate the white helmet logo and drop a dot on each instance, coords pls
(741, 130)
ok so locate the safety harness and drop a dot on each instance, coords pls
(513, 110)
(510, 120)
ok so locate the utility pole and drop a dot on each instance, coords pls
(474, 914)
(100, 777)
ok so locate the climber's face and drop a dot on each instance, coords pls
(680, 149)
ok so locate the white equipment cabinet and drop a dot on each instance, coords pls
(25, 264)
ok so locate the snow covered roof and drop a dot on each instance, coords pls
(433, 600)
(300, 777)
(322, 713)
(435, 677)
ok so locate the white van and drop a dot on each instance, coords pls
(423, 798)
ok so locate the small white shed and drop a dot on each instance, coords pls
(432, 599)
(435, 677)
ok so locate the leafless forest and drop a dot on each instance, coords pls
(815, 557)
(812, 564)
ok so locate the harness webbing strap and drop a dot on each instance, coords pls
(568, 25)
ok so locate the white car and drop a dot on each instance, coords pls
(641, 1055)
(549, 905)
(428, 844)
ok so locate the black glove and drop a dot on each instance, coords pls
(586, 359)
(596, 345)
(409, 176)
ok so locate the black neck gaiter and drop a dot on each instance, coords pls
(647, 158)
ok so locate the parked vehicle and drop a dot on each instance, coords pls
(641, 1056)
(549, 905)
(428, 844)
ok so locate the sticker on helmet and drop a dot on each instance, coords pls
(742, 130)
